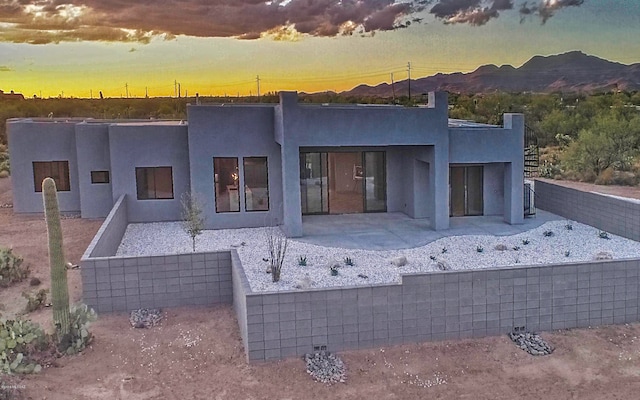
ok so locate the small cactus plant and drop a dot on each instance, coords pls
(547, 233)
(334, 270)
(444, 250)
(59, 287)
(567, 253)
(302, 261)
(603, 235)
(525, 242)
(479, 249)
(348, 261)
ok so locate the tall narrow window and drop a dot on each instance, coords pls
(58, 170)
(226, 180)
(154, 183)
(256, 184)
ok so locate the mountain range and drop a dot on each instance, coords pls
(568, 72)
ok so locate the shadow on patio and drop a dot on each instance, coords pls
(387, 231)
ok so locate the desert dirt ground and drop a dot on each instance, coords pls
(196, 353)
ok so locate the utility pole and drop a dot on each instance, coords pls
(126, 89)
(393, 89)
(175, 88)
(409, 74)
(146, 92)
(179, 90)
(91, 93)
(258, 82)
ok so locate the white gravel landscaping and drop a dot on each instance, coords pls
(581, 243)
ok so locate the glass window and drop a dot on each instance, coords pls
(58, 170)
(256, 184)
(226, 179)
(99, 176)
(154, 183)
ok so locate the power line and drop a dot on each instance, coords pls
(409, 75)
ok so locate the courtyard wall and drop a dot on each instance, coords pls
(610, 214)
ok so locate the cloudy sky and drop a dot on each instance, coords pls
(81, 47)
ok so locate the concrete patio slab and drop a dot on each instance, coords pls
(388, 231)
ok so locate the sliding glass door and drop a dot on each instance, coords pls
(314, 192)
(343, 182)
(465, 190)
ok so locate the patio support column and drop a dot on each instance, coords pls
(513, 175)
(513, 195)
(291, 209)
(439, 187)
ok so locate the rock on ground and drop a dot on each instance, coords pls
(325, 367)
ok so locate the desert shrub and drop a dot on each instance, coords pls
(11, 268)
(21, 345)
(5, 167)
(605, 177)
(37, 301)
(277, 246)
(79, 336)
(611, 142)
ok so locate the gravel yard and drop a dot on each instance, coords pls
(580, 243)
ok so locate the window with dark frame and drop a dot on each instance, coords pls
(99, 176)
(58, 170)
(154, 183)
(256, 184)
(226, 179)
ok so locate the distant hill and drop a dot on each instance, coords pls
(569, 72)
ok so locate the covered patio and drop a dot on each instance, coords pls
(388, 231)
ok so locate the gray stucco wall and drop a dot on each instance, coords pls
(92, 144)
(493, 189)
(106, 241)
(112, 284)
(438, 306)
(149, 145)
(33, 140)
(610, 214)
(237, 131)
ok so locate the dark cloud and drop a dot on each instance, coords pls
(546, 8)
(473, 12)
(53, 21)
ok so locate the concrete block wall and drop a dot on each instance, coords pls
(607, 213)
(106, 241)
(112, 284)
(436, 306)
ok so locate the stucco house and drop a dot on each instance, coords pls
(271, 164)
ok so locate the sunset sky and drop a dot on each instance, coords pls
(216, 47)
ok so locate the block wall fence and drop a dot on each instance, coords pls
(423, 307)
(436, 306)
(607, 213)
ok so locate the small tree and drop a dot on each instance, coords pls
(192, 220)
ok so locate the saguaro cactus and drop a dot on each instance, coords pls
(59, 287)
